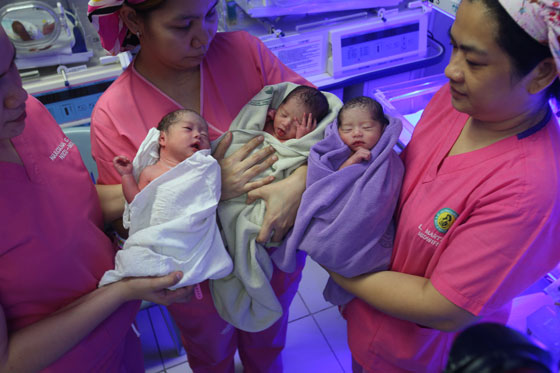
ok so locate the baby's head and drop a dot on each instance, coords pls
(183, 133)
(300, 100)
(361, 122)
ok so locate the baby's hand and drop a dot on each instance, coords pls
(306, 125)
(362, 154)
(122, 165)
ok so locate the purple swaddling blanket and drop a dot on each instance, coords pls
(345, 219)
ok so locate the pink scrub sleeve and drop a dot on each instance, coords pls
(53, 250)
(236, 67)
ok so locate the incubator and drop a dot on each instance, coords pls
(335, 48)
(44, 34)
(59, 56)
(406, 100)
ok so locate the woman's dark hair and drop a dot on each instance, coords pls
(145, 7)
(525, 52)
(363, 102)
(143, 10)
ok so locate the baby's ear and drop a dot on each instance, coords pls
(162, 139)
(270, 114)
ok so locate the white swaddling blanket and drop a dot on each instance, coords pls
(173, 221)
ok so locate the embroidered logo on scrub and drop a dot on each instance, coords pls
(444, 219)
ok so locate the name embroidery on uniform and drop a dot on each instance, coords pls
(430, 237)
(61, 150)
(444, 219)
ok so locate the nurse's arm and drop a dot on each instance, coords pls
(282, 198)
(38, 345)
(112, 201)
(407, 297)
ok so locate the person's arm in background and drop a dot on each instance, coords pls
(38, 345)
(112, 200)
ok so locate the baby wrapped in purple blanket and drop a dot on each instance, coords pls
(354, 176)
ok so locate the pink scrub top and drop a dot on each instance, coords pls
(53, 250)
(482, 226)
(236, 67)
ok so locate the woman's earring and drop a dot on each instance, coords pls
(138, 34)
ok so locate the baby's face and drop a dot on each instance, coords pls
(358, 130)
(286, 119)
(187, 136)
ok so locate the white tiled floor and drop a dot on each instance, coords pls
(316, 340)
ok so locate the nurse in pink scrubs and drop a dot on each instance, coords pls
(53, 252)
(478, 218)
(184, 63)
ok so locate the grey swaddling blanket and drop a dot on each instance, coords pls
(245, 298)
(344, 221)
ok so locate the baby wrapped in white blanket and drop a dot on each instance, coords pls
(172, 220)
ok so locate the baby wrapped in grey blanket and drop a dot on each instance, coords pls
(245, 298)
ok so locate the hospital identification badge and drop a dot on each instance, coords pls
(444, 219)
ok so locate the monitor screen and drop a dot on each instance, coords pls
(374, 45)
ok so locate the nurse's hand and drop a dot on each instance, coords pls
(154, 289)
(241, 167)
(282, 202)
